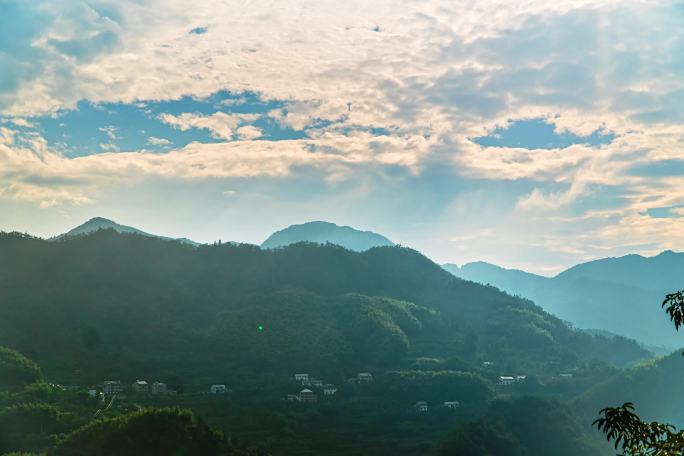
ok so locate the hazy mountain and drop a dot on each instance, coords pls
(325, 232)
(621, 295)
(322, 308)
(99, 223)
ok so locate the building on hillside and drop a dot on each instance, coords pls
(364, 377)
(420, 407)
(506, 381)
(565, 376)
(306, 395)
(293, 397)
(487, 364)
(92, 392)
(318, 383)
(329, 390)
(111, 387)
(304, 378)
(158, 388)
(218, 389)
(140, 387)
(520, 378)
(452, 404)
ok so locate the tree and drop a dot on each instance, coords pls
(16, 371)
(629, 432)
(150, 432)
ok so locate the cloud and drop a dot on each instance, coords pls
(249, 132)
(220, 124)
(110, 131)
(161, 142)
(436, 74)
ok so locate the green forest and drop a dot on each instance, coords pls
(125, 307)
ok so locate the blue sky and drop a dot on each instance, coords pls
(533, 136)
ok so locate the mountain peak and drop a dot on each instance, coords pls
(322, 232)
(101, 223)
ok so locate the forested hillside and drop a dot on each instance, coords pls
(125, 307)
(129, 304)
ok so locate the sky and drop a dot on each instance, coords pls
(531, 134)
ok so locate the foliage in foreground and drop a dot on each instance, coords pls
(629, 432)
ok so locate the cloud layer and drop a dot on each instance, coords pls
(387, 97)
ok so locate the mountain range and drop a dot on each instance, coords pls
(317, 232)
(621, 295)
(616, 295)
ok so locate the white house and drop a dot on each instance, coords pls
(306, 395)
(92, 393)
(452, 404)
(304, 378)
(329, 390)
(565, 376)
(158, 388)
(420, 407)
(520, 378)
(487, 364)
(112, 387)
(315, 382)
(506, 381)
(218, 389)
(140, 387)
(364, 377)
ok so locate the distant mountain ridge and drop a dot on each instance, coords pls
(325, 232)
(621, 295)
(100, 223)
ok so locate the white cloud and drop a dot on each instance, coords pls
(154, 141)
(110, 131)
(436, 74)
(220, 124)
(249, 132)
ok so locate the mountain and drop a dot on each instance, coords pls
(99, 223)
(111, 303)
(120, 306)
(621, 295)
(326, 233)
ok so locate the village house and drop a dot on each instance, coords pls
(92, 393)
(329, 390)
(565, 376)
(111, 387)
(452, 404)
(218, 389)
(487, 364)
(520, 378)
(304, 378)
(506, 381)
(364, 377)
(293, 397)
(315, 382)
(420, 407)
(140, 387)
(306, 395)
(158, 388)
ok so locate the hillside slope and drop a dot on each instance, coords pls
(116, 304)
(621, 295)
